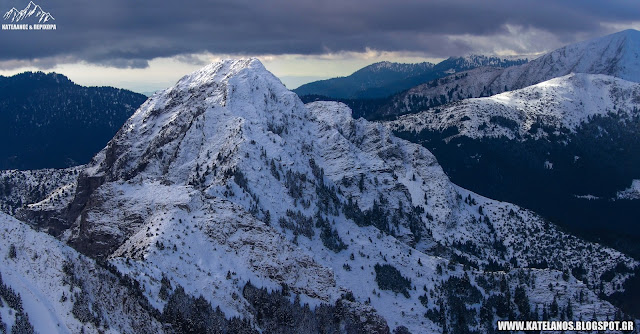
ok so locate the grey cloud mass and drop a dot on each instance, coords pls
(128, 33)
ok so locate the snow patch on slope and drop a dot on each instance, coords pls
(633, 192)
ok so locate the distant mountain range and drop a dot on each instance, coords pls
(616, 55)
(383, 79)
(47, 121)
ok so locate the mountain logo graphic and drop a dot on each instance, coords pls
(31, 14)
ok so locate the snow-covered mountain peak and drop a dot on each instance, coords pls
(211, 82)
(219, 72)
(630, 64)
(202, 109)
(616, 54)
(629, 34)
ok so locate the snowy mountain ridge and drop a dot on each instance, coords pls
(560, 104)
(397, 67)
(383, 79)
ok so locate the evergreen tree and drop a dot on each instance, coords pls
(570, 311)
(522, 302)
(389, 278)
(22, 325)
(12, 251)
(553, 309)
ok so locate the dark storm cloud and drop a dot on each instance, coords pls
(128, 33)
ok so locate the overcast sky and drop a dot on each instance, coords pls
(148, 45)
